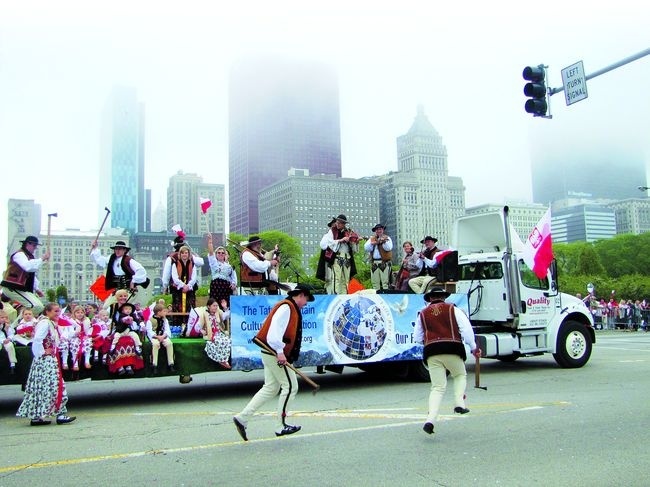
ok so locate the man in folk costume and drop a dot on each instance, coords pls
(427, 274)
(336, 263)
(282, 333)
(20, 283)
(255, 267)
(380, 248)
(442, 328)
(172, 258)
(122, 270)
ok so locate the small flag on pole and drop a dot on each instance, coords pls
(205, 204)
(538, 249)
(178, 230)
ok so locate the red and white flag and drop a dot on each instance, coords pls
(538, 249)
(205, 204)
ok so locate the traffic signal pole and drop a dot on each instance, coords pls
(606, 69)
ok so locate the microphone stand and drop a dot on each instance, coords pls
(294, 270)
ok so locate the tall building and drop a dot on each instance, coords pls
(122, 161)
(583, 223)
(183, 204)
(302, 206)
(159, 218)
(282, 114)
(421, 199)
(588, 171)
(23, 218)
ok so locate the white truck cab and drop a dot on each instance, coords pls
(513, 312)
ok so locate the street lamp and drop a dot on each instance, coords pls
(590, 288)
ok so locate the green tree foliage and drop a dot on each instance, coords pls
(588, 262)
(620, 264)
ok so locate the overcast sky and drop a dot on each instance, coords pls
(463, 63)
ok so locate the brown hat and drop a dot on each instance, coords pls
(379, 225)
(428, 237)
(301, 289)
(435, 292)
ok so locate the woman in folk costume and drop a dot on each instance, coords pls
(218, 343)
(45, 393)
(224, 277)
(184, 277)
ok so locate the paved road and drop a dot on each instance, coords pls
(536, 424)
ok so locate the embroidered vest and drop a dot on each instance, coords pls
(293, 334)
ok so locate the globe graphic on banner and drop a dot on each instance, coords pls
(358, 328)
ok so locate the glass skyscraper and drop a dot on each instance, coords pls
(122, 162)
(283, 114)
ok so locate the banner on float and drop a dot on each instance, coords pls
(348, 329)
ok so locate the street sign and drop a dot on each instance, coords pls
(575, 84)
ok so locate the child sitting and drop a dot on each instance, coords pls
(86, 343)
(125, 324)
(24, 332)
(159, 332)
(100, 329)
(69, 341)
(6, 335)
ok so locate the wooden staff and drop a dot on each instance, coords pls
(477, 373)
(263, 345)
(108, 212)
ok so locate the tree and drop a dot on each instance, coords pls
(588, 262)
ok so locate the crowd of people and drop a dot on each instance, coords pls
(611, 314)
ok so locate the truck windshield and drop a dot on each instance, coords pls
(530, 280)
(476, 271)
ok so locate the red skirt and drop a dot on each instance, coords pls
(124, 355)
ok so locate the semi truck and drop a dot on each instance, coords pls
(513, 312)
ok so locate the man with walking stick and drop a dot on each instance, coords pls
(20, 283)
(281, 332)
(442, 328)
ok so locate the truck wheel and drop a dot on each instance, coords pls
(573, 346)
(418, 372)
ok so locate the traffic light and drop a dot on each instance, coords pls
(535, 89)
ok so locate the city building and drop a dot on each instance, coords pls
(632, 215)
(121, 183)
(583, 223)
(23, 219)
(523, 216)
(302, 205)
(282, 114)
(420, 198)
(184, 195)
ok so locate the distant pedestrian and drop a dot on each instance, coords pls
(443, 328)
(45, 393)
(282, 332)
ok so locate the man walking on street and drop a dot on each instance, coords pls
(443, 328)
(281, 332)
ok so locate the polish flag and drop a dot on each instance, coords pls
(538, 249)
(205, 204)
